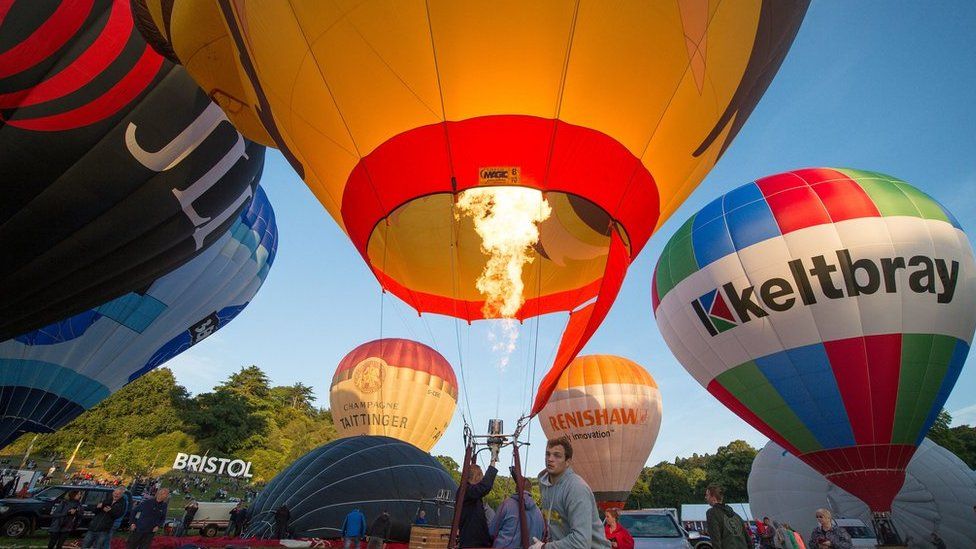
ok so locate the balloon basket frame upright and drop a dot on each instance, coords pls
(493, 442)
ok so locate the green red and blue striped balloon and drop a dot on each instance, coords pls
(832, 309)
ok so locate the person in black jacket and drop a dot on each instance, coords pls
(65, 514)
(379, 531)
(147, 518)
(99, 535)
(282, 516)
(473, 526)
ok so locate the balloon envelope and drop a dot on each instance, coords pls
(50, 376)
(832, 309)
(615, 110)
(394, 387)
(369, 473)
(116, 168)
(937, 496)
(610, 408)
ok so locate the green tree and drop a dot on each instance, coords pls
(730, 467)
(451, 466)
(225, 422)
(669, 487)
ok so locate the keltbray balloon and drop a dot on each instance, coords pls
(394, 387)
(50, 376)
(937, 496)
(116, 168)
(610, 408)
(390, 111)
(832, 309)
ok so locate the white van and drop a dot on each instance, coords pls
(861, 534)
(212, 517)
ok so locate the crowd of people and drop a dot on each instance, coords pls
(566, 518)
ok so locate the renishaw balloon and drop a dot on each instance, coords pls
(610, 408)
(832, 309)
(938, 495)
(389, 110)
(50, 376)
(394, 387)
(116, 168)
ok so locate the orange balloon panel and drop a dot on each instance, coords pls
(610, 408)
(389, 108)
(396, 388)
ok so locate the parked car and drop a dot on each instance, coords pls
(656, 529)
(699, 540)
(212, 517)
(861, 535)
(21, 516)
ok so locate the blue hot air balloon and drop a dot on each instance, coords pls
(51, 375)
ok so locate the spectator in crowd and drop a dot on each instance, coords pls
(238, 515)
(619, 537)
(353, 529)
(282, 516)
(379, 531)
(64, 514)
(506, 528)
(828, 535)
(111, 509)
(725, 526)
(147, 519)
(766, 534)
(189, 511)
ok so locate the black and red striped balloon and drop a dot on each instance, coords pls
(115, 167)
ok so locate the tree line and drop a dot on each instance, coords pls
(139, 429)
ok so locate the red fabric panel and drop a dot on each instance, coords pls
(99, 55)
(403, 353)
(884, 356)
(843, 198)
(655, 299)
(796, 208)
(779, 183)
(584, 322)
(552, 155)
(46, 39)
(849, 362)
(872, 363)
(873, 473)
(127, 89)
(5, 6)
(728, 399)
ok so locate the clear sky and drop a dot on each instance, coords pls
(880, 85)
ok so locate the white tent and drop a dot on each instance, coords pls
(693, 515)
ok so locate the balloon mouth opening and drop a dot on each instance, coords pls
(433, 250)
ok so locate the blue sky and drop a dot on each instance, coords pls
(884, 86)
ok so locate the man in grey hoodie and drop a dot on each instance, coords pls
(568, 503)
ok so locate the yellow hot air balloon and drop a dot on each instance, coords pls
(391, 110)
(610, 408)
(396, 388)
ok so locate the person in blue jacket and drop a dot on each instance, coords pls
(506, 528)
(353, 529)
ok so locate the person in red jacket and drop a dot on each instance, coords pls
(619, 537)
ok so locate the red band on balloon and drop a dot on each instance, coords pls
(109, 103)
(46, 39)
(102, 52)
